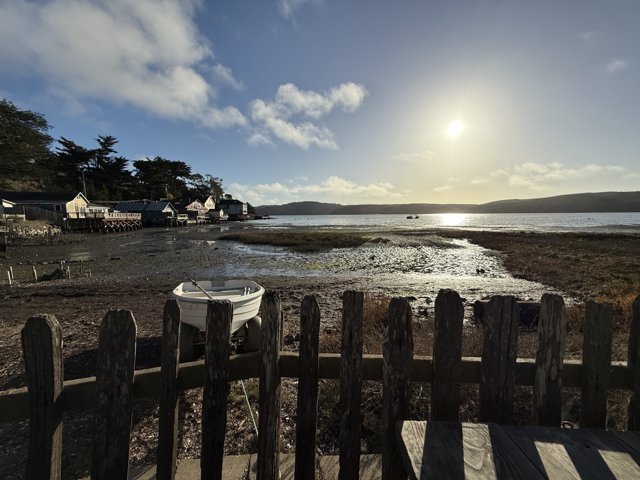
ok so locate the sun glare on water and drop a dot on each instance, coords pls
(455, 128)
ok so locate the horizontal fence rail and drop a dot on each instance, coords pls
(80, 394)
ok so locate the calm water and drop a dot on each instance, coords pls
(597, 222)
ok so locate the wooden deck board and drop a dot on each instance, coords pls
(479, 451)
(462, 450)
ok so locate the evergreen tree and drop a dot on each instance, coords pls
(24, 147)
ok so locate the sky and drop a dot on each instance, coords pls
(345, 101)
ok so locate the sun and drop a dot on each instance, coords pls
(455, 129)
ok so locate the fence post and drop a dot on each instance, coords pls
(42, 351)
(498, 367)
(596, 362)
(169, 397)
(633, 363)
(269, 401)
(397, 352)
(547, 387)
(350, 384)
(447, 357)
(307, 389)
(216, 387)
(114, 395)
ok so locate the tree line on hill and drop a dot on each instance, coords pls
(571, 203)
(29, 163)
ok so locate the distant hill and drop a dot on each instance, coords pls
(299, 208)
(578, 202)
(574, 203)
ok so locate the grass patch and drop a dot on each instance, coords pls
(308, 241)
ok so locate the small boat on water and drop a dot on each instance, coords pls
(245, 295)
(413, 217)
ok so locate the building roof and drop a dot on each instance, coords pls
(233, 201)
(138, 206)
(134, 206)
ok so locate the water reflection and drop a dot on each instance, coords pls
(453, 219)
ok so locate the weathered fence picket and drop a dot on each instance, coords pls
(547, 389)
(269, 402)
(114, 395)
(596, 358)
(112, 391)
(447, 356)
(350, 384)
(169, 404)
(42, 348)
(216, 387)
(307, 414)
(498, 368)
(397, 353)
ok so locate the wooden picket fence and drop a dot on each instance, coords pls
(116, 384)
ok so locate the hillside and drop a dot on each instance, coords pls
(573, 203)
(579, 202)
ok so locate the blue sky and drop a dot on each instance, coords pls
(344, 101)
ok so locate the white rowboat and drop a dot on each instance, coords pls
(245, 296)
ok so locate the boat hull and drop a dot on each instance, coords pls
(244, 295)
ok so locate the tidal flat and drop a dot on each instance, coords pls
(138, 270)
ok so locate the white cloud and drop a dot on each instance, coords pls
(291, 115)
(147, 54)
(332, 187)
(443, 188)
(424, 156)
(257, 139)
(617, 65)
(225, 76)
(540, 176)
(288, 7)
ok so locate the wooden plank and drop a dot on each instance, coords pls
(596, 358)
(269, 402)
(547, 389)
(633, 361)
(114, 395)
(462, 450)
(169, 405)
(630, 438)
(411, 440)
(307, 412)
(42, 352)
(619, 456)
(397, 351)
(575, 453)
(447, 356)
(498, 368)
(350, 384)
(216, 387)
(547, 451)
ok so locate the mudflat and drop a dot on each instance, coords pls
(138, 270)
